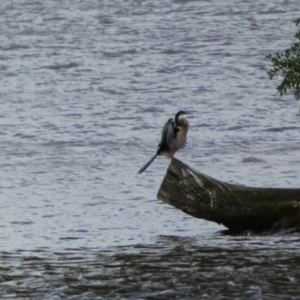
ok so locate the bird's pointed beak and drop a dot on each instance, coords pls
(187, 113)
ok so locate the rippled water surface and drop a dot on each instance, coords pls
(85, 88)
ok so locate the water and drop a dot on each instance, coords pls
(85, 89)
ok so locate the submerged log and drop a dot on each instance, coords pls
(237, 207)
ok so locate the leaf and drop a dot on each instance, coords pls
(287, 65)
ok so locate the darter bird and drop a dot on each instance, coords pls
(173, 138)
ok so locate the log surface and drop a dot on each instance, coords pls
(237, 207)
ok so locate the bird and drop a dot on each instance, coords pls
(173, 138)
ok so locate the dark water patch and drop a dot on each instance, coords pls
(14, 46)
(24, 136)
(22, 223)
(48, 216)
(149, 109)
(172, 51)
(272, 11)
(166, 70)
(61, 66)
(62, 144)
(73, 115)
(70, 238)
(110, 91)
(252, 159)
(281, 129)
(106, 20)
(120, 53)
(54, 19)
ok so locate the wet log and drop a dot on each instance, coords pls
(237, 207)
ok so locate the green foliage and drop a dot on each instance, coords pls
(287, 65)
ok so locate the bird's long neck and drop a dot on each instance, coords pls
(177, 118)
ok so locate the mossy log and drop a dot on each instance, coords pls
(237, 207)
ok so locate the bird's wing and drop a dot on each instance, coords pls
(168, 134)
(184, 144)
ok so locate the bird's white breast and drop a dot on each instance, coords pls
(178, 143)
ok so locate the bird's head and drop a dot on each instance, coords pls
(182, 113)
(179, 114)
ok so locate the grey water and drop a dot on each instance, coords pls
(85, 88)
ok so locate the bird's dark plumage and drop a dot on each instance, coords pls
(173, 138)
(168, 134)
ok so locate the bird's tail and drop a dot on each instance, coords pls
(147, 164)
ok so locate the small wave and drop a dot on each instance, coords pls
(61, 66)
